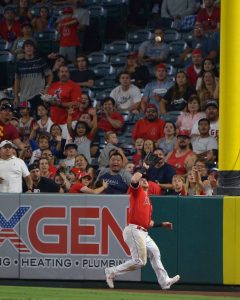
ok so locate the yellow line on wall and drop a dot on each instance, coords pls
(231, 240)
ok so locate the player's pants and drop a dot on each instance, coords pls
(141, 246)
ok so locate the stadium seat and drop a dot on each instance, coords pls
(104, 83)
(100, 95)
(177, 47)
(87, 3)
(47, 41)
(171, 116)
(103, 70)
(118, 60)
(171, 35)
(187, 36)
(4, 45)
(117, 47)
(139, 36)
(96, 58)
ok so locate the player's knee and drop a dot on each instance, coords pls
(140, 262)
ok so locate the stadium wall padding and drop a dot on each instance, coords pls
(203, 247)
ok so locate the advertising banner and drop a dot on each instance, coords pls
(66, 237)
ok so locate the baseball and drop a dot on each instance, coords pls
(158, 39)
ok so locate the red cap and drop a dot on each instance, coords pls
(161, 66)
(197, 51)
(67, 10)
(133, 55)
(184, 133)
(85, 175)
(150, 105)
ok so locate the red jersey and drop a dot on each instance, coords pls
(66, 92)
(178, 162)
(140, 210)
(209, 22)
(148, 130)
(8, 132)
(69, 33)
(11, 33)
(76, 188)
(105, 125)
(192, 75)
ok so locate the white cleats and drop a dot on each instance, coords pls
(171, 282)
(109, 278)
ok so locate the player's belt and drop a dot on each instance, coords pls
(138, 227)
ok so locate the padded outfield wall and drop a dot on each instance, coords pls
(76, 236)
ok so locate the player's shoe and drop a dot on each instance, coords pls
(109, 278)
(171, 282)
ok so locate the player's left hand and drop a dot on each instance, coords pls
(167, 225)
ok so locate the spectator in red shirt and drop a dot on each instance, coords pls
(10, 29)
(209, 16)
(68, 29)
(109, 118)
(150, 127)
(68, 94)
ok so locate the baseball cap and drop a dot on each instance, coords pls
(85, 175)
(160, 66)
(150, 105)
(67, 10)
(133, 55)
(184, 133)
(70, 145)
(197, 51)
(6, 142)
(33, 167)
(24, 104)
(6, 106)
(211, 103)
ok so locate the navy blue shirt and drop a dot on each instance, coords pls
(116, 184)
(162, 175)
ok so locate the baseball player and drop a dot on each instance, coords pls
(136, 235)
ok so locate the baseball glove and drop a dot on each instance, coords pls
(151, 159)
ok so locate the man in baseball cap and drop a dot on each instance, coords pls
(7, 143)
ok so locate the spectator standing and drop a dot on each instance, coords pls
(12, 170)
(67, 94)
(149, 127)
(43, 21)
(69, 40)
(126, 95)
(209, 16)
(44, 121)
(154, 51)
(155, 90)
(32, 77)
(83, 76)
(26, 121)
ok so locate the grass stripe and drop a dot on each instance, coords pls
(41, 293)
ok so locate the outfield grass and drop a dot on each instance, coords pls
(41, 293)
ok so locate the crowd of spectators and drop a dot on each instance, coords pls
(73, 143)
